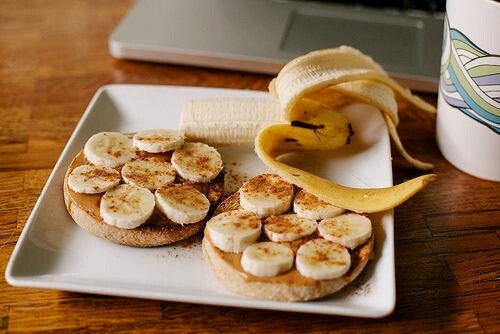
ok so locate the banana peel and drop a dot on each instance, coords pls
(307, 89)
(354, 199)
(325, 68)
(268, 147)
(383, 98)
(340, 75)
(322, 128)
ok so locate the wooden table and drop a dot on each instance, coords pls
(53, 57)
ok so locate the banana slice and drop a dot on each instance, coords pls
(197, 162)
(151, 173)
(233, 231)
(288, 227)
(267, 259)
(87, 179)
(266, 195)
(110, 149)
(309, 206)
(127, 206)
(182, 203)
(322, 259)
(350, 230)
(158, 140)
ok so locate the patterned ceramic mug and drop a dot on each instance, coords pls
(468, 119)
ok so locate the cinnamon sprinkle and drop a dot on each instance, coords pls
(268, 184)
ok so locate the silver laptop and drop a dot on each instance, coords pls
(263, 35)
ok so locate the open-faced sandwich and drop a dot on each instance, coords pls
(258, 246)
(147, 189)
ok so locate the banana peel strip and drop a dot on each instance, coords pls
(395, 137)
(370, 92)
(381, 97)
(324, 68)
(354, 199)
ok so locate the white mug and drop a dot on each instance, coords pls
(468, 118)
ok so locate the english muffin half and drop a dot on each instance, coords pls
(284, 279)
(136, 198)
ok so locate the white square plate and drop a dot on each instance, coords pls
(54, 253)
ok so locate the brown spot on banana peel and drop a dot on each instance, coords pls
(308, 126)
(316, 134)
(305, 125)
(292, 140)
(351, 133)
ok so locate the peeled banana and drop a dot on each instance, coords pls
(228, 121)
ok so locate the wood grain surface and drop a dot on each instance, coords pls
(53, 58)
